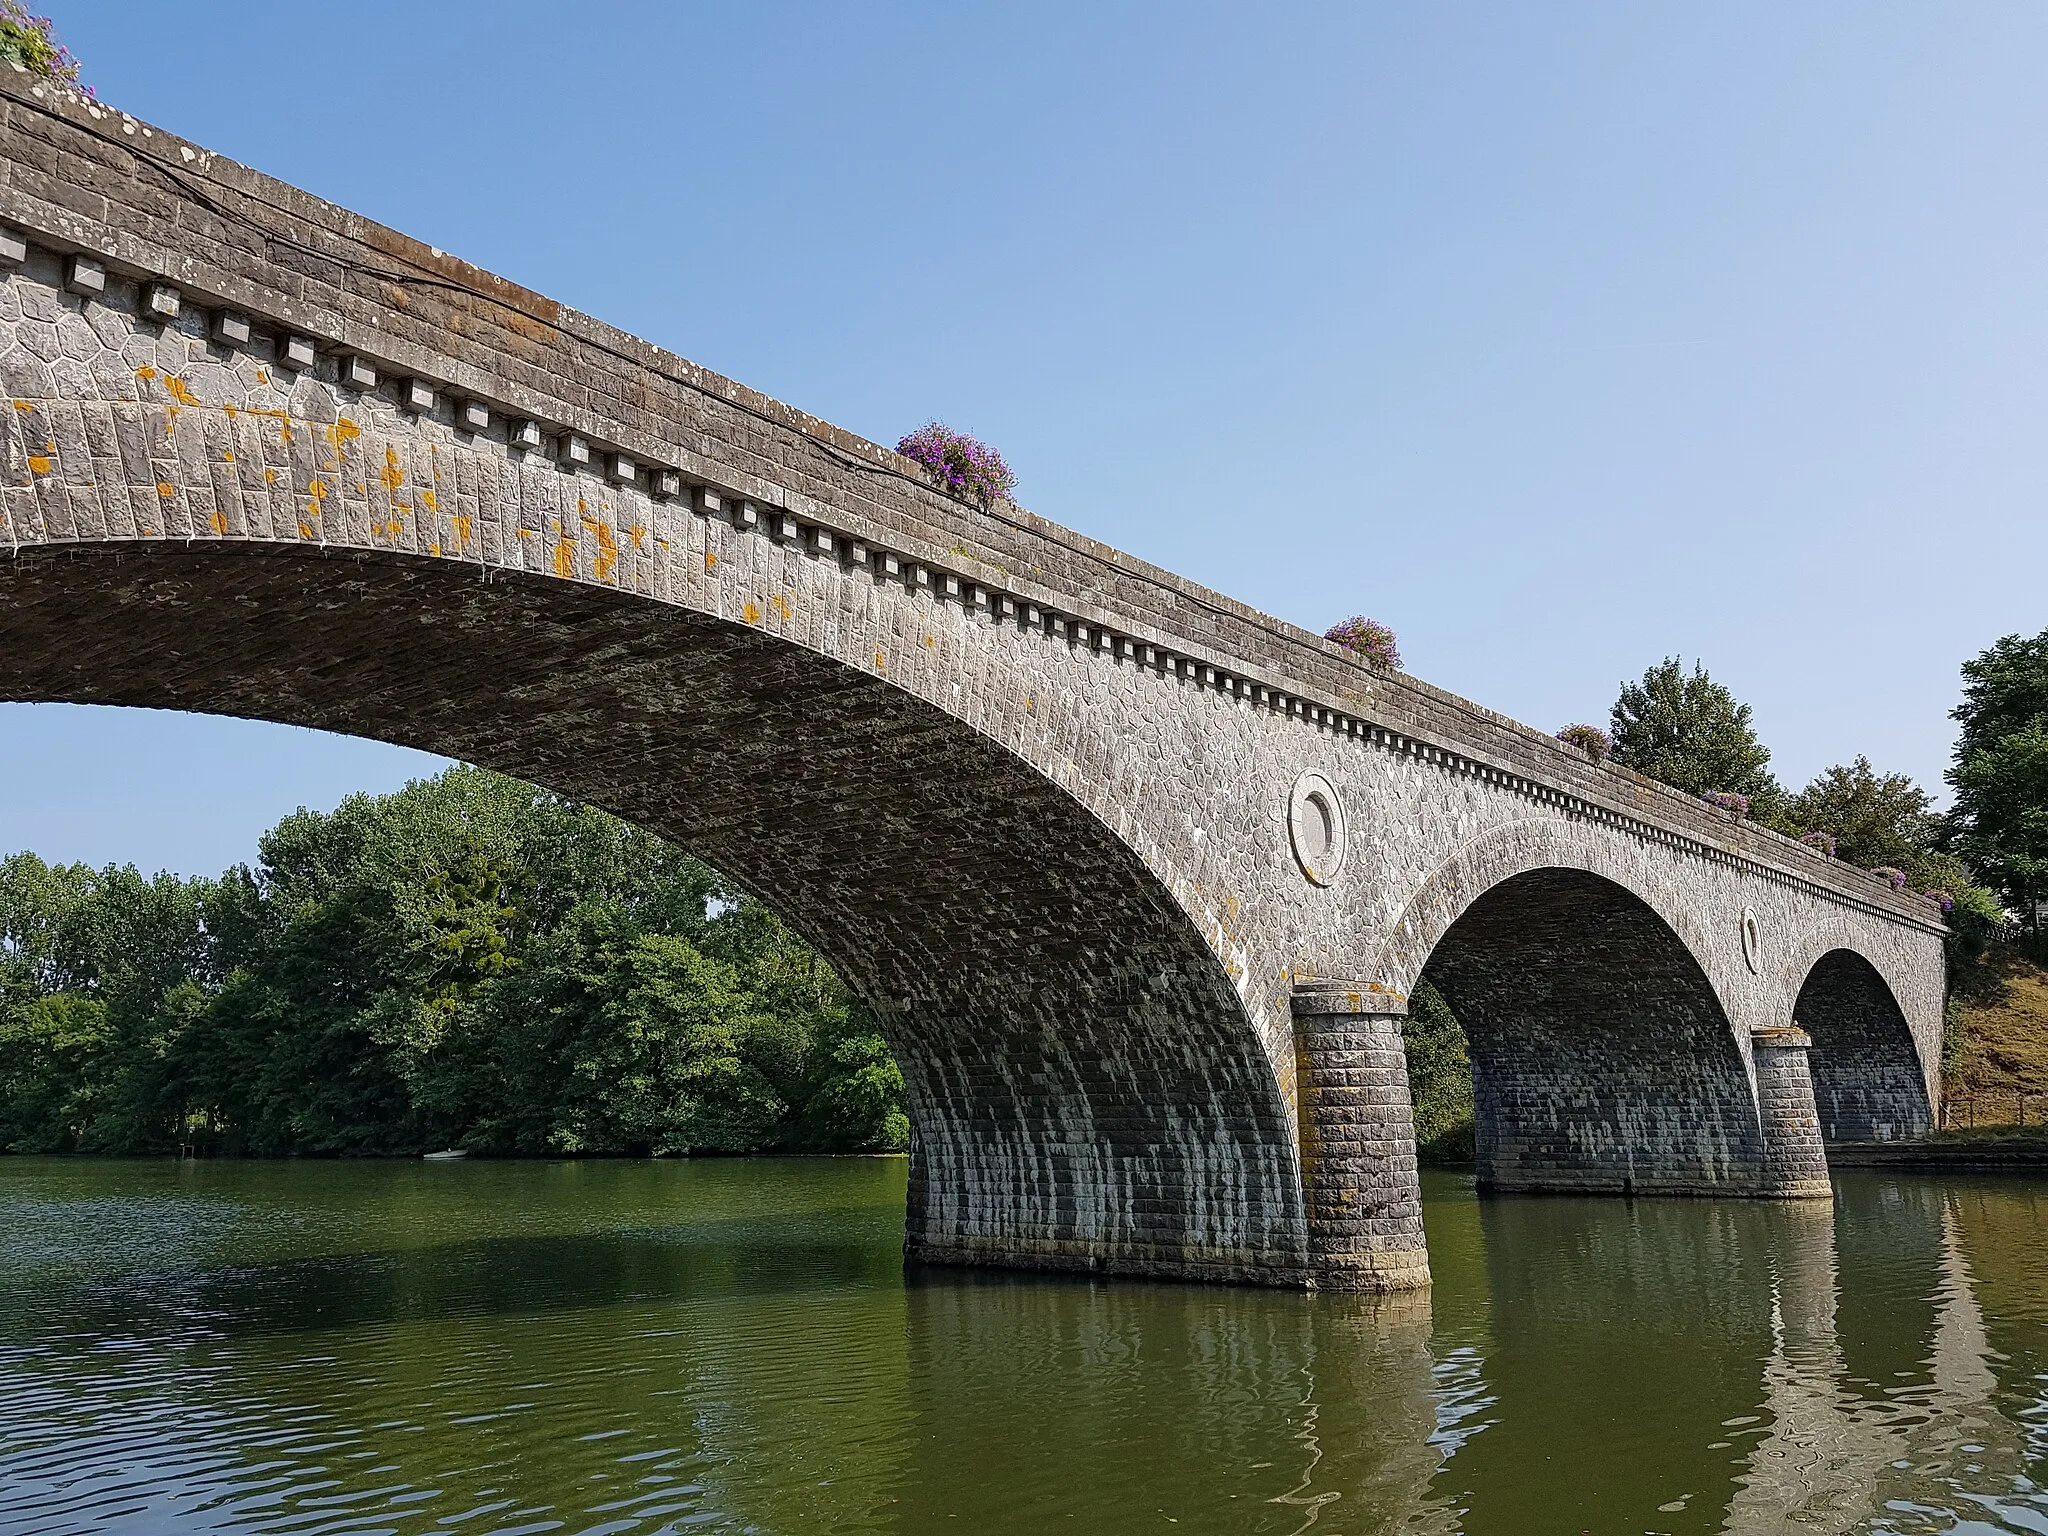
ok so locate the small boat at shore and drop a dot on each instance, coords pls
(450, 1156)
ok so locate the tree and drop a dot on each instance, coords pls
(1999, 822)
(1690, 732)
(1875, 819)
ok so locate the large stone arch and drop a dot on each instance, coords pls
(1085, 1086)
(1603, 1056)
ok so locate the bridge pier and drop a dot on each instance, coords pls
(1357, 1128)
(1795, 1165)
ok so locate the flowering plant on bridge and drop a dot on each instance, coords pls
(962, 465)
(1367, 638)
(1823, 841)
(1721, 799)
(1590, 739)
(1897, 877)
(29, 41)
(1941, 899)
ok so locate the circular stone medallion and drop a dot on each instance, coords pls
(1315, 825)
(1752, 942)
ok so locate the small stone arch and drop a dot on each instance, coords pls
(1603, 1057)
(1869, 1080)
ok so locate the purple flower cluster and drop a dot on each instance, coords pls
(1367, 638)
(1590, 739)
(1721, 799)
(1896, 876)
(962, 466)
(1941, 899)
(1824, 841)
(31, 42)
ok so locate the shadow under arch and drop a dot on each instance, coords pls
(1602, 1059)
(1868, 1082)
(1084, 1085)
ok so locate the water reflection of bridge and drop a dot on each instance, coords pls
(1673, 1367)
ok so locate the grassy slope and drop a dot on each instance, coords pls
(1998, 1039)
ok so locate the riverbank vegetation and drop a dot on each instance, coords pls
(476, 963)
(469, 962)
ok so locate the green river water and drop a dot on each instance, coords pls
(734, 1346)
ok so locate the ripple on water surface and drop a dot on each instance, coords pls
(642, 1347)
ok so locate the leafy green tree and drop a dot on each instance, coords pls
(470, 961)
(1876, 819)
(1439, 1078)
(1999, 820)
(1689, 731)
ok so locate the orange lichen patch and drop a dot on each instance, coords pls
(228, 457)
(218, 521)
(229, 407)
(306, 530)
(391, 530)
(178, 390)
(751, 612)
(145, 372)
(607, 550)
(270, 477)
(392, 476)
(881, 662)
(433, 549)
(710, 559)
(427, 497)
(526, 533)
(342, 433)
(782, 606)
(462, 528)
(637, 534)
(38, 464)
(262, 375)
(929, 642)
(565, 559)
(165, 488)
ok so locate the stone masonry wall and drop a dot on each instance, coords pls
(1032, 796)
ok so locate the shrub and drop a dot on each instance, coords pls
(1721, 799)
(1897, 877)
(1590, 739)
(961, 465)
(1824, 841)
(28, 41)
(1367, 638)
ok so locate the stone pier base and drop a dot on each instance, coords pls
(1357, 1128)
(1795, 1165)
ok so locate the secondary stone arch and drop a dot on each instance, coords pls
(1603, 1056)
(1085, 1086)
(1517, 848)
(1871, 1081)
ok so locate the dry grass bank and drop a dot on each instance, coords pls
(1996, 1062)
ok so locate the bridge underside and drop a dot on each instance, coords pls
(1602, 1060)
(1867, 1079)
(1084, 1089)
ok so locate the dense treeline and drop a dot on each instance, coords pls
(469, 962)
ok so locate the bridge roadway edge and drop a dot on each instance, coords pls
(576, 375)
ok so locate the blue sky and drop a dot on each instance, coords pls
(1562, 338)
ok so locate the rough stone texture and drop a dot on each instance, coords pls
(1867, 1083)
(1045, 834)
(1357, 1138)
(1795, 1164)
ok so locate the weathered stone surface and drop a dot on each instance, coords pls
(1042, 823)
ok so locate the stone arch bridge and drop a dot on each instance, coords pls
(1136, 878)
